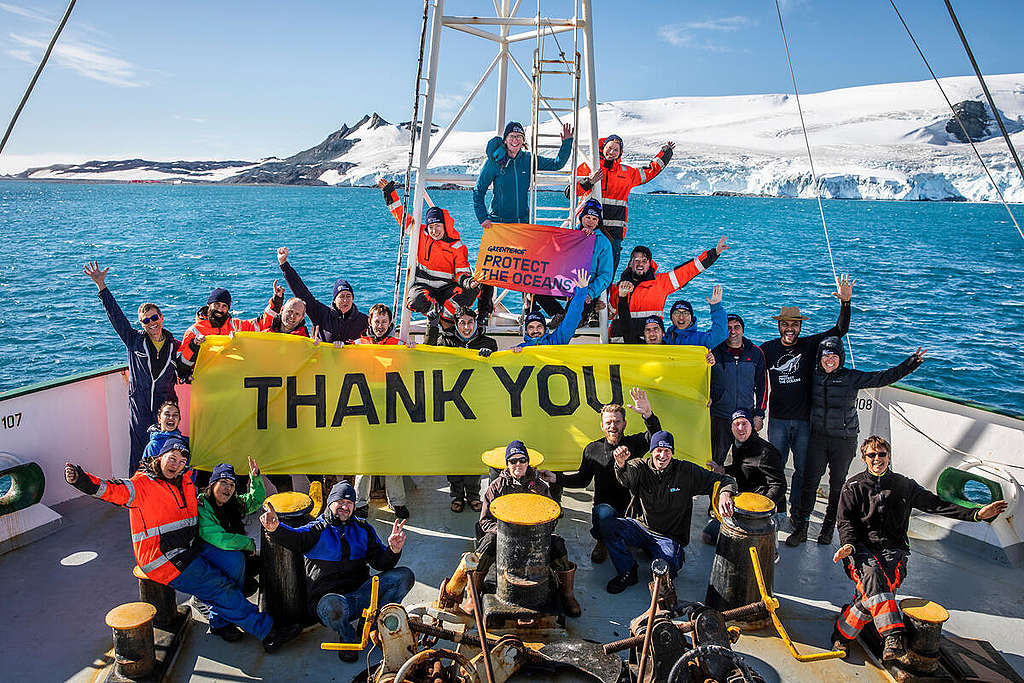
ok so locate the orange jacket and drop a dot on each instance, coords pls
(616, 184)
(270, 321)
(438, 262)
(205, 328)
(164, 518)
(387, 341)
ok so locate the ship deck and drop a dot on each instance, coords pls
(53, 609)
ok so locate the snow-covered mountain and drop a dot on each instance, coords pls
(890, 141)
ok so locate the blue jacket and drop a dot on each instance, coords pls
(338, 554)
(739, 382)
(564, 332)
(157, 438)
(691, 336)
(600, 266)
(509, 179)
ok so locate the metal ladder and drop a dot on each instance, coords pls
(558, 71)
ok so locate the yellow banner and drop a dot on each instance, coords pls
(297, 407)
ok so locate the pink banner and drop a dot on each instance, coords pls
(535, 259)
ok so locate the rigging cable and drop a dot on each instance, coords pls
(35, 76)
(960, 122)
(413, 128)
(984, 87)
(814, 175)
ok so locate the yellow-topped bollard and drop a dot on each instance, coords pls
(132, 624)
(924, 620)
(525, 524)
(282, 571)
(525, 509)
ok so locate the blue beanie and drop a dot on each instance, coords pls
(733, 316)
(513, 127)
(433, 215)
(341, 491)
(682, 305)
(744, 413)
(612, 138)
(654, 319)
(342, 285)
(534, 316)
(223, 471)
(175, 444)
(219, 294)
(662, 439)
(515, 448)
(592, 207)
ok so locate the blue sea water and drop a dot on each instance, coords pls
(949, 277)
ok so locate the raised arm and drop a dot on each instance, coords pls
(318, 313)
(117, 318)
(549, 164)
(883, 378)
(116, 491)
(394, 203)
(678, 277)
(843, 292)
(573, 312)
(657, 164)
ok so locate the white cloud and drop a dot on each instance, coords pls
(25, 12)
(689, 34)
(91, 61)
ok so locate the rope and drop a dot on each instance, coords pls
(942, 90)
(413, 125)
(984, 87)
(35, 76)
(814, 175)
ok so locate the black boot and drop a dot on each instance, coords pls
(798, 536)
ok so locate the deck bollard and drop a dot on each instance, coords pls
(134, 652)
(525, 524)
(162, 597)
(283, 571)
(924, 620)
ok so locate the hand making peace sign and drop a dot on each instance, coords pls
(397, 538)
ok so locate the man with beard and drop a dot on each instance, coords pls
(642, 292)
(519, 477)
(598, 465)
(738, 382)
(152, 363)
(790, 362)
(214, 318)
(339, 550)
(341, 321)
(663, 489)
(617, 180)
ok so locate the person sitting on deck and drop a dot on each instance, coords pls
(166, 427)
(874, 516)
(610, 497)
(535, 331)
(642, 292)
(519, 477)
(662, 489)
(164, 516)
(341, 321)
(442, 260)
(153, 363)
(790, 360)
(738, 382)
(340, 549)
(222, 525)
(617, 180)
(381, 327)
(285, 317)
(600, 265)
(834, 429)
(754, 464)
(684, 332)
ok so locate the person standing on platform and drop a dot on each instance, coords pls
(834, 429)
(152, 363)
(874, 515)
(790, 359)
(738, 382)
(617, 180)
(341, 321)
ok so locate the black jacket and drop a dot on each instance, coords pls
(757, 468)
(598, 465)
(834, 395)
(663, 501)
(874, 512)
(451, 339)
(334, 325)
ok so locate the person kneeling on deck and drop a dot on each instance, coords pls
(874, 515)
(535, 332)
(610, 497)
(663, 489)
(755, 465)
(164, 516)
(519, 477)
(339, 550)
(222, 525)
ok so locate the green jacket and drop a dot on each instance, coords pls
(213, 533)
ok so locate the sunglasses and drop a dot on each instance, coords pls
(876, 454)
(151, 319)
(518, 461)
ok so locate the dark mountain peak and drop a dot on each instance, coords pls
(337, 143)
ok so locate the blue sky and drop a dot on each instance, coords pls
(243, 80)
